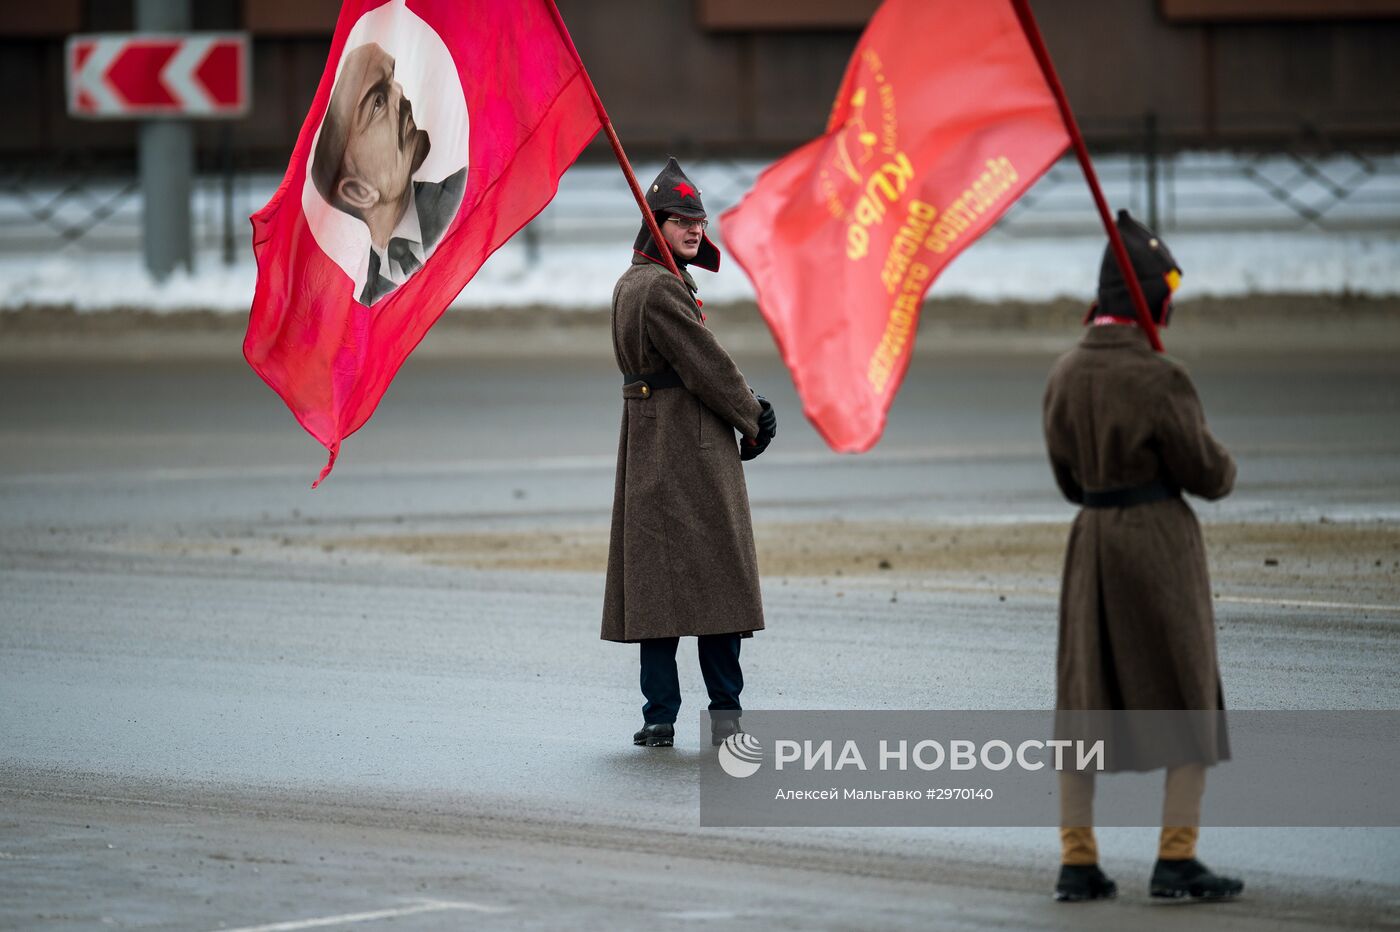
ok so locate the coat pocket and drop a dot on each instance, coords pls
(705, 429)
(637, 403)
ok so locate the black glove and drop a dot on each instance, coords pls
(767, 430)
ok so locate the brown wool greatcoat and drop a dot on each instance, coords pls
(681, 557)
(1137, 630)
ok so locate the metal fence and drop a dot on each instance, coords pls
(76, 210)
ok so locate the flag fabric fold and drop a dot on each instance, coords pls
(438, 130)
(942, 120)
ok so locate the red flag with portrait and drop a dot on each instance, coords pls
(439, 129)
(943, 119)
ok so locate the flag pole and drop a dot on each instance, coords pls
(662, 246)
(1120, 252)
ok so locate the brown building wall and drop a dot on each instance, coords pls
(694, 76)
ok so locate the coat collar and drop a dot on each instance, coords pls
(642, 258)
(1115, 336)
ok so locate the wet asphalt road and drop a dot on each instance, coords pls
(241, 734)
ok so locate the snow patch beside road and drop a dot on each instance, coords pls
(581, 275)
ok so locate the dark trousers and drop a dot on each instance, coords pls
(719, 665)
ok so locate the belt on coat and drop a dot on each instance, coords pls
(1148, 492)
(654, 381)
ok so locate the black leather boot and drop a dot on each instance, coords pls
(1080, 882)
(721, 728)
(656, 736)
(1189, 877)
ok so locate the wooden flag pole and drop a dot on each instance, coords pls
(662, 246)
(1120, 252)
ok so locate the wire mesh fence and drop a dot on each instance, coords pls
(76, 210)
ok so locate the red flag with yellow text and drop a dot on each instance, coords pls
(942, 120)
(438, 130)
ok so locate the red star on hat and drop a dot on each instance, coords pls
(684, 189)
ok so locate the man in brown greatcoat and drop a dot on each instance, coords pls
(1126, 436)
(681, 557)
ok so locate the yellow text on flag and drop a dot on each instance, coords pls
(885, 186)
(899, 327)
(989, 187)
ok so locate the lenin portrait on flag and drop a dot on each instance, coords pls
(388, 166)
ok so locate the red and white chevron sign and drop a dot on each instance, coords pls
(120, 75)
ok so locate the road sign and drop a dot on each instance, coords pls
(143, 75)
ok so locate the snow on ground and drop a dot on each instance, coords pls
(582, 275)
(1231, 235)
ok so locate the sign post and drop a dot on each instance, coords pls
(166, 76)
(166, 163)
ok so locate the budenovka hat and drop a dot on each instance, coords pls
(673, 193)
(1154, 266)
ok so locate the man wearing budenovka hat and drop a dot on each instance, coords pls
(1126, 436)
(681, 557)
